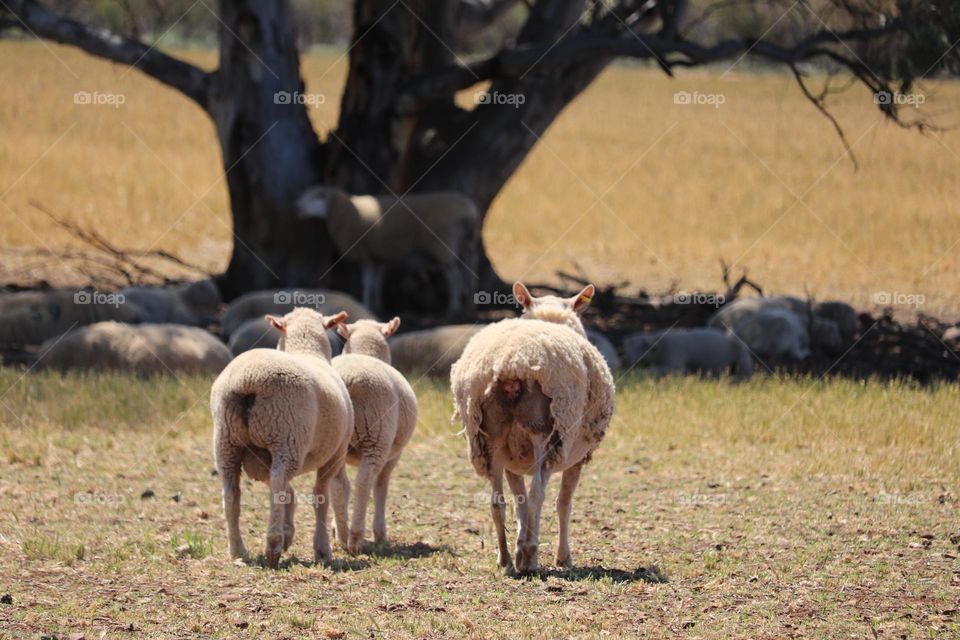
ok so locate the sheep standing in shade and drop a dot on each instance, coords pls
(706, 351)
(193, 303)
(257, 304)
(534, 397)
(377, 231)
(144, 349)
(385, 414)
(278, 414)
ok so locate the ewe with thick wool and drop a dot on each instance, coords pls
(377, 231)
(278, 414)
(257, 304)
(534, 397)
(143, 349)
(385, 414)
(705, 351)
(193, 303)
(30, 317)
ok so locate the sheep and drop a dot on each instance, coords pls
(431, 351)
(146, 349)
(377, 231)
(774, 334)
(700, 350)
(277, 414)
(822, 321)
(728, 316)
(605, 347)
(258, 333)
(30, 317)
(257, 304)
(385, 414)
(534, 397)
(842, 314)
(193, 303)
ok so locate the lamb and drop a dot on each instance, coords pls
(257, 304)
(193, 303)
(774, 334)
(701, 350)
(377, 231)
(258, 333)
(30, 317)
(534, 397)
(277, 414)
(146, 350)
(385, 414)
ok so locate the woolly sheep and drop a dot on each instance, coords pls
(381, 230)
(774, 334)
(534, 397)
(146, 349)
(701, 350)
(259, 333)
(385, 414)
(257, 304)
(30, 317)
(431, 351)
(277, 414)
(194, 303)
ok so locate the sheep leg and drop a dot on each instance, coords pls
(520, 501)
(288, 527)
(229, 470)
(498, 509)
(280, 499)
(537, 494)
(380, 501)
(321, 535)
(568, 484)
(341, 499)
(369, 469)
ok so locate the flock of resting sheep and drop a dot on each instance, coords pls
(299, 389)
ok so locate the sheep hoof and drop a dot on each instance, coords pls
(288, 537)
(355, 543)
(565, 562)
(240, 555)
(322, 558)
(274, 549)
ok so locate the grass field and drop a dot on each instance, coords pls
(765, 510)
(760, 181)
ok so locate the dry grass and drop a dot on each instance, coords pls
(682, 185)
(773, 509)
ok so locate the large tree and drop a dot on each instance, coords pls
(400, 129)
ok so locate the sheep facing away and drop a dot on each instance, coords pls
(257, 304)
(377, 231)
(277, 414)
(385, 414)
(193, 303)
(701, 350)
(30, 317)
(259, 333)
(145, 349)
(534, 397)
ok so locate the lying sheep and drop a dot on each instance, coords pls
(30, 317)
(278, 414)
(706, 351)
(377, 231)
(257, 304)
(385, 414)
(535, 397)
(843, 315)
(146, 349)
(830, 325)
(259, 333)
(605, 347)
(431, 351)
(730, 315)
(194, 303)
(774, 335)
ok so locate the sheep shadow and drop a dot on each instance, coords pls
(404, 550)
(336, 565)
(650, 575)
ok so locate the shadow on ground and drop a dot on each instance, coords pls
(652, 574)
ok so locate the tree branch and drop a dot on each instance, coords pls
(40, 22)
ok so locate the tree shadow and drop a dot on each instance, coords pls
(404, 550)
(651, 574)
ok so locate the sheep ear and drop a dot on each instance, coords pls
(337, 318)
(583, 299)
(522, 295)
(343, 331)
(391, 327)
(277, 323)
